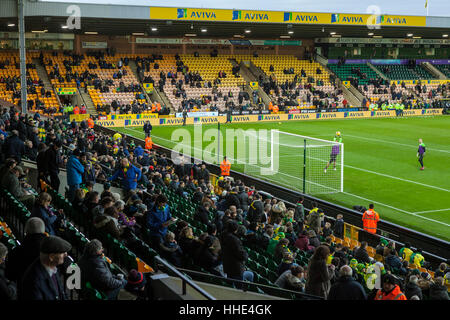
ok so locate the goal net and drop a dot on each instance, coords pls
(299, 162)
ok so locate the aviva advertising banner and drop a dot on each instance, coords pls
(160, 122)
(200, 14)
(129, 116)
(422, 82)
(267, 118)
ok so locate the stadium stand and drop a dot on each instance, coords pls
(38, 99)
(403, 72)
(269, 247)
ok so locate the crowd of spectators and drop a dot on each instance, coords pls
(290, 93)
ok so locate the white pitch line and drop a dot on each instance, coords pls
(406, 212)
(429, 211)
(380, 174)
(396, 143)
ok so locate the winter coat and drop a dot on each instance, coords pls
(314, 221)
(234, 256)
(202, 215)
(37, 284)
(75, 171)
(290, 282)
(95, 269)
(361, 255)
(21, 257)
(107, 225)
(319, 276)
(347, 288)
(303, 243)
(412, 289)
(438, 292)
(47, 216)
(129, 179)
(8, 289)
(155, 218)
(338, 229)
(14, 148)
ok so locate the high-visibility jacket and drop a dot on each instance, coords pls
(148, 143)
(90, 123)
(370, 219)
(76, 110)
(395, 294)
(153, 108)
(225, 168)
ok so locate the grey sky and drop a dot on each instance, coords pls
(406, 7)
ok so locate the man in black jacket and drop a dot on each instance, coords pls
(243, 199)
(361, 254)
(148, 128)
(53, 159)
(256, 210)
(21, 257)
(234, 255)
(42, 280)
(94, 269)
(202, 213)
(346, 288)
(14, 147)
(204, 174)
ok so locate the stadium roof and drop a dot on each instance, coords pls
(125, 20)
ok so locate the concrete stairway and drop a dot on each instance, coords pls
(351, 94)
(87, 101)
(42, 73)
(433, 70)
(250, 76)
(156, 95)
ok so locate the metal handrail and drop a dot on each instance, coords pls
(184, 279)
(246, 283)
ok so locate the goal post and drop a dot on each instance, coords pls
(299, 162)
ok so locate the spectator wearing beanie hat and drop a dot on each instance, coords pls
(136, 283)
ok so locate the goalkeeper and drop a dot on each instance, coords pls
(334, 151)
(421, 153)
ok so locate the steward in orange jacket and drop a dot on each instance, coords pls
(390, 290)
(225, 167)
(90, 123)
(148, 143)
(370, 219)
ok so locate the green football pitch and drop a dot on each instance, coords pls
(380, 164)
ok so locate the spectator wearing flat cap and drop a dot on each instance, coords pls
(42, 280)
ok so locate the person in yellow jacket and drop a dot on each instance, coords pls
(225, 167)
(417, 259)
(406, 252)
